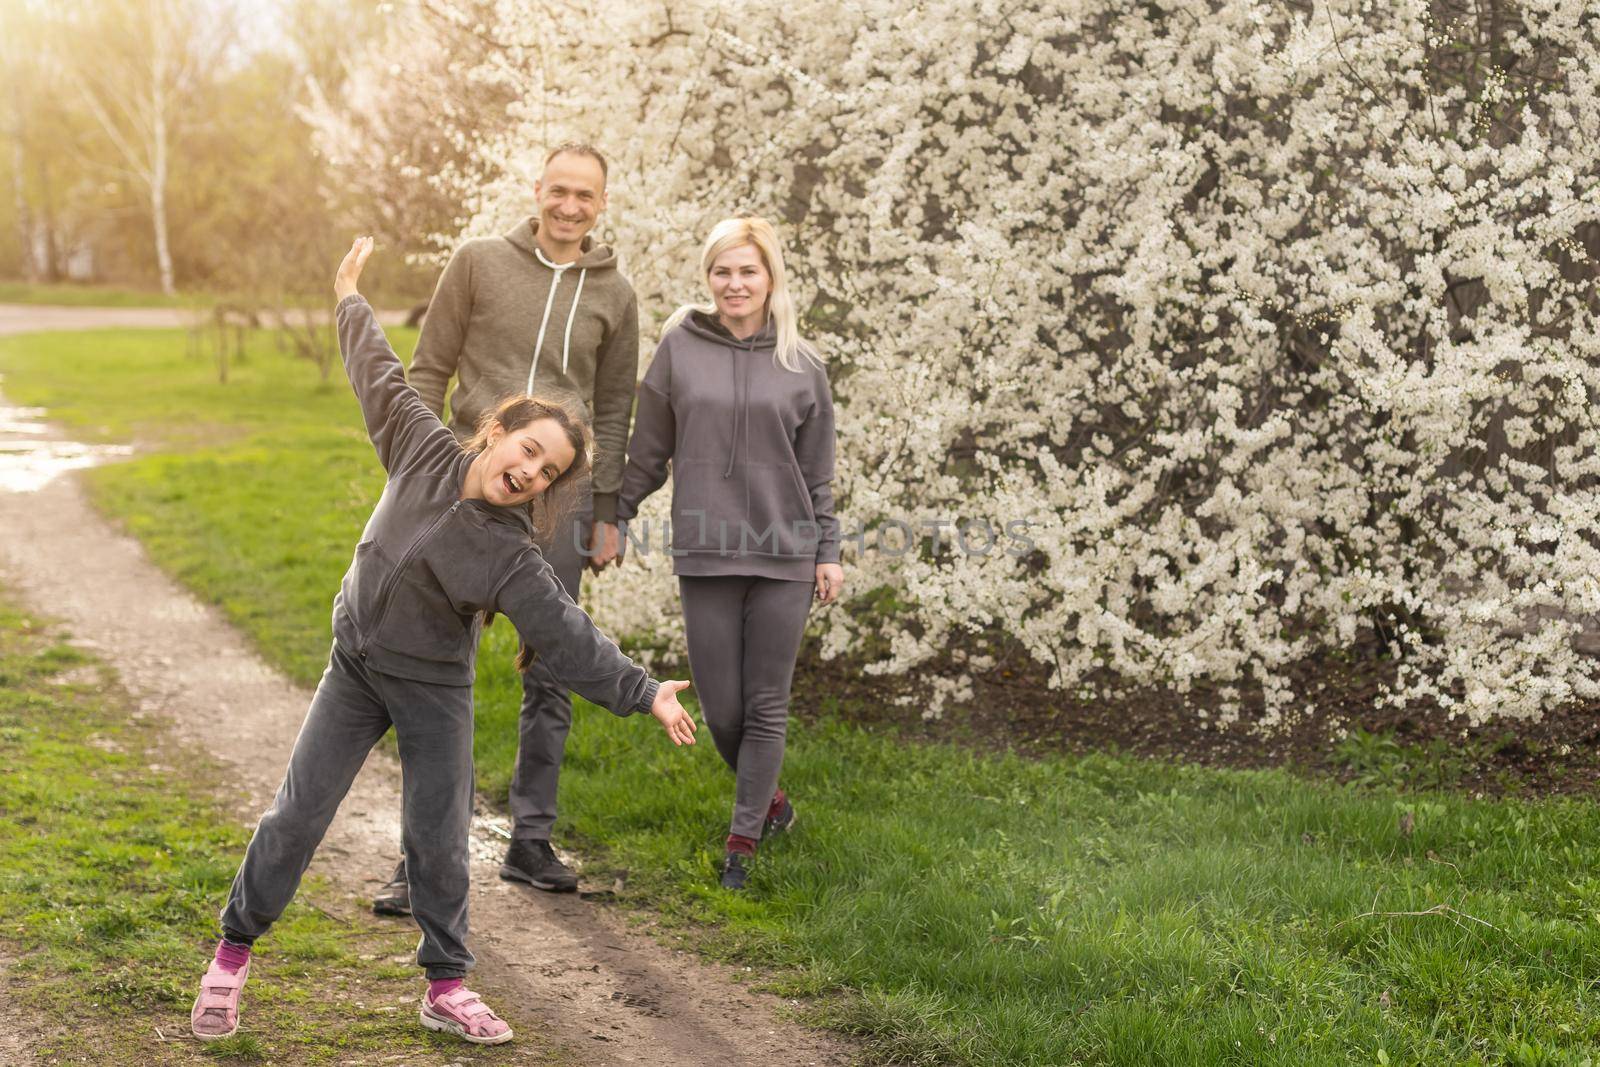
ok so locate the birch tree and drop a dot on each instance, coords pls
(27, 89)
(141, 70)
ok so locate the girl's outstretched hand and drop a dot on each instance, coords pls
(670, 714)
(344, 280)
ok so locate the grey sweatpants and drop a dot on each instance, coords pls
(352, 708)
(744, 633)
(546, 717)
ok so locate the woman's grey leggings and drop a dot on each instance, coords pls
(744, 633)
(350, 712)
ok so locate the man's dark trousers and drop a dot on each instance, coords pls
(546, 703)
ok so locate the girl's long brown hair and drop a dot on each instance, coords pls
(549, 509)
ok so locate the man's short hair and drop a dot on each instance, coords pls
(580, 148)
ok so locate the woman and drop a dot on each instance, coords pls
(449, 544)
(739, 406)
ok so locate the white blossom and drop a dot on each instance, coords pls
(1277, 321)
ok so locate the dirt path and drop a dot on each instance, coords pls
(613, 995)
(32, 318)
(21, 1035)
(26, 318)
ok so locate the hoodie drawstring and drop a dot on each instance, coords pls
(733, 430)
(741, 401)
(549, 302)
(566, 339)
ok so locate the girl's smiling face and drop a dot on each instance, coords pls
(520, 464)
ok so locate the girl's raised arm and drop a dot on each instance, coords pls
(400, 425)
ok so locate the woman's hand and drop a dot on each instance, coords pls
(670, 714)
(344, 279)
(605, 546)
(830, 580)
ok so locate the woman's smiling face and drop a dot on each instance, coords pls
(522, 463)
(739, 282)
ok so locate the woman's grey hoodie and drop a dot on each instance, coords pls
(429, 562)
(750, 445)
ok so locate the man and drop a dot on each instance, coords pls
(544, 310)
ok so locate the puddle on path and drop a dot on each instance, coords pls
(30, 457)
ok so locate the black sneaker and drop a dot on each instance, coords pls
(735, 869)
(535, 862)
(780, 815)
(395, 897)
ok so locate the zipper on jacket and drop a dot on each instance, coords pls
(387, 592)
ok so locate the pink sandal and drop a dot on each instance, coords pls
(462, 1013)
(215, 1013)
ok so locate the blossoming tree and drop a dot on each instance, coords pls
(1274, 323)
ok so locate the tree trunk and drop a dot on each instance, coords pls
(158, 158)
(19, 193)
(48, 241)
(158, 216)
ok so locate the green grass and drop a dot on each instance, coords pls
(948, 906)
(113, 866)
(73, 295)
(276, 459)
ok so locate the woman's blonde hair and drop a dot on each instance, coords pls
(758, 232)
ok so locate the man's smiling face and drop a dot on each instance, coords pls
(571, 195)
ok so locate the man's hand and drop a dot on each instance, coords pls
(344, 280)
(605, 546)
(670, 714)
(830, 580)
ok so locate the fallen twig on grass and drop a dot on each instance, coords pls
(325, 913)
(1433, 857)
(1446, 910)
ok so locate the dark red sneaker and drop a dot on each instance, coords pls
(735, 869)
(780, 815)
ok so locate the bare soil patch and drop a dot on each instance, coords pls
(1347, 735)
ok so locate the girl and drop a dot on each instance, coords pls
(449, 544)
(740, 407)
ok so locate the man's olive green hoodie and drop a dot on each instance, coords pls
(504, 320)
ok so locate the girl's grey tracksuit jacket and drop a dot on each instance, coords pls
(406, 624)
